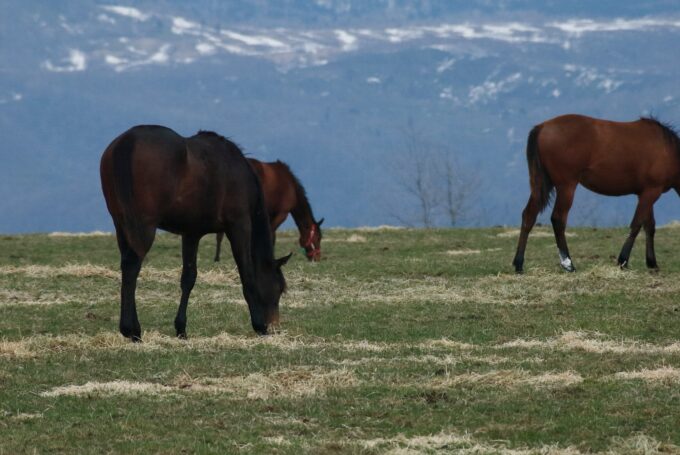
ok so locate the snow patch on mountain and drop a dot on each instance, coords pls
(489, 90)
(76, 61)
(127, 11)
(579, 27)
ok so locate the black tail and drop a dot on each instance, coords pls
(541, 184)
(122, 169)
(138, 236)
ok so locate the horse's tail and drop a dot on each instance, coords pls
(541, 184)
(138, 236)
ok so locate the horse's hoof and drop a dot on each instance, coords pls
(566, 264)
(182, 335)
(623, 264)
(519, 266)
(135, 334)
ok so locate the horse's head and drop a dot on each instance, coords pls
(310, 241)
(271, 285)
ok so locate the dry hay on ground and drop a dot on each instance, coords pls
(533, 233)
(666, 375)
(506, 379)
(41, 345)
(80, 234)
(215, 276)
(290, 383)
(10, 297)
(592, 342)
(445, 442)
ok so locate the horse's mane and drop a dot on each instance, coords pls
(670, 133)
(300, 192)
(219, 137)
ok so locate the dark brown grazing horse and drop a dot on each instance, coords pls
(284, 194)
(154, 178)
(610, 158)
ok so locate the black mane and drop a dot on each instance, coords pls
(299, 189)
(219, 137)
(670, 133)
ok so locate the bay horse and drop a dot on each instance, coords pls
(611, 158)
(154, 178)
(284, 194)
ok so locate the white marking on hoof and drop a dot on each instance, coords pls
(565, 262)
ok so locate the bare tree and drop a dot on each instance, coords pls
(460, 184)
(430, 175)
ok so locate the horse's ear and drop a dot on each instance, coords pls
(280, 262)
(318, 223)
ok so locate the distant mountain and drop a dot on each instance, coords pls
(329, 86)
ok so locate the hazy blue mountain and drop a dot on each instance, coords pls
(328, 86)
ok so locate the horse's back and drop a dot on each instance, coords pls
(606, 156)
(178, 184)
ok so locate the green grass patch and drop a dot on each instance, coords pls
(400, 340)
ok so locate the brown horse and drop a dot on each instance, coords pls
(284, 194)
(154, 178)
(610, 158)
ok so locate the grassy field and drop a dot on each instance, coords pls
(399, 341)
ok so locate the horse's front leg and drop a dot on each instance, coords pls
(239, 235)
(563, 200)
(643, 213)
(189, 272)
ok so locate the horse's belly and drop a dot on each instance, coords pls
(621, 182)
(609, 187)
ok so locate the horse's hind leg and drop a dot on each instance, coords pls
(563, 200)
(528, 220)
(643, 213)
(130, 265)
(189, 272)
(650, 229)
(218, 237)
